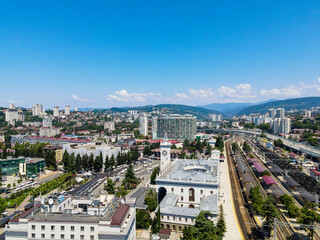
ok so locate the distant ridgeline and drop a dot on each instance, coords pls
(288, 104)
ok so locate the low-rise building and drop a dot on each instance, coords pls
(60, 217)
(58, 150)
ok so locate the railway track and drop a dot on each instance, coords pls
(283, 230)
(246, 219)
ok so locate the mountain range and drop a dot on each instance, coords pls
(226, 109)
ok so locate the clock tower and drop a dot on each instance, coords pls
(165, 147)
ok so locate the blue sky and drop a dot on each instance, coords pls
(126, 53)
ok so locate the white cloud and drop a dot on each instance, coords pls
(201, 93)
(242, 90)
(14, 101)
(124, 96)
(81, 99)
(182, 95)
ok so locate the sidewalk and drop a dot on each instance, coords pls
(226, 199)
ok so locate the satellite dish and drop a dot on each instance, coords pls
(50, 201)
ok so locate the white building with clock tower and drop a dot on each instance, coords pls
(165, 147)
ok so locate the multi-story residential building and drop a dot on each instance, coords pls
(154, 127)
(49, 131)
(185, 188)
(143, 125)
(12, 107)
(58, 150)
(13, 115)
(56, 111)
(67, 110)
(110, 126)
(176, 127)
(47, 122)
(61, 217)
(308, 114)
(52, 141)
(215, 117)
(272, 113)
(281, 125)
(37, 110)
(280, 112)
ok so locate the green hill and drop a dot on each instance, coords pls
(201, 113)
(288, 104)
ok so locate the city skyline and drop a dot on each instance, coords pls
(132, 54)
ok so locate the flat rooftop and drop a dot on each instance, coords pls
(192, 170)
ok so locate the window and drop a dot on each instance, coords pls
(171, 189)
(201, 191)
(181, 198)
(186, 219)
(91, 237)
(52, 236)
(43, 235)
(211, 192)
(62, 228)
(174, 218)
(43, 227)
(181, 189)
(191, 195)
(179, 218)
(162, 217)
(92, 229)
(72, 236)
(62, 236)
(52, 227)
(167, 217)
(72, 228)
(82, 228)
(33, 227)
(33, 235)
(82, 237)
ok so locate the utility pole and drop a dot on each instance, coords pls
(275, 229)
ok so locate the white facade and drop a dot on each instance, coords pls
(67, 110)
(216, 117)
(109, 126)
(56, 112)
(280, 112)
(37, 110)
(47, 122)
(154, 127)
(165, 155)
(92, 148)
(12, 107)
(281, 125)
(143, 125)
(186, 188)
(116, 221)
(49, 132)
(12, 115)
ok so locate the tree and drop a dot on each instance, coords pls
(110, 186)
(269, 212)
(143, 219)
(308, 216)
(78, 163)
(151, 200)
(246, 147)
(286, 200)
(189, 233)
(220, 143)
(155, 227)
(278, 143)
(154, 175)
(221, 224)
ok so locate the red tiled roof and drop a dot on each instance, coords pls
(119, 215)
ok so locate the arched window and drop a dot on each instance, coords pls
(191, 195)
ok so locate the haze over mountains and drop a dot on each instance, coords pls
(226, 109)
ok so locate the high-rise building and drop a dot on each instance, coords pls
(56, 112)
(13, 115)
(177, 127)
(154, 127)
(307, 114)
(37, 110)
(143, 125)
(216, 117)
(47, 122)
(12, 107)
(67, 110)
(280, 125)
(110, 126)
(272, 113)
(280, 112)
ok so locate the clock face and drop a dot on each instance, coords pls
(164, 152)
